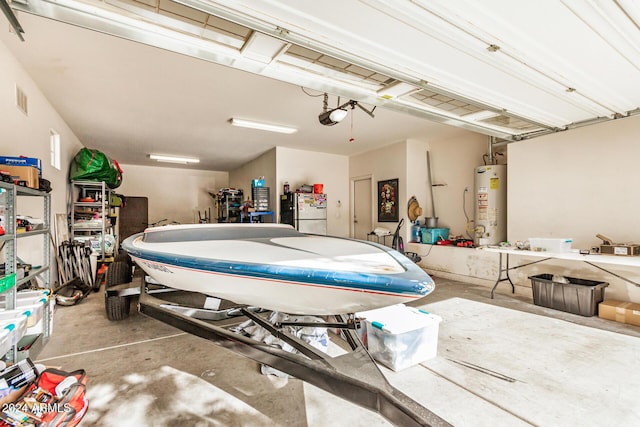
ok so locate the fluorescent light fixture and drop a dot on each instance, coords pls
(173, 159)
(262, 126)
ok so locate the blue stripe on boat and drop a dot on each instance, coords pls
(412, 282)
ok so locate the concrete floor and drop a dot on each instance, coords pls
(142, 372)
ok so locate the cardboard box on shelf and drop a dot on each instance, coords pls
(624, 249)
(22, 161)
(23, 173)
(620, 311)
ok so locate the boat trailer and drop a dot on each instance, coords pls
(353, 376)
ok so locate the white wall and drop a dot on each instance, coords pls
(299, 167)
(175, 194)
(385, 163)
(577, 184)
(30, 136)
(452, 162)
(570, 184)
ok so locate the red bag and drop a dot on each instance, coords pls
(73, 403)
(64, 407)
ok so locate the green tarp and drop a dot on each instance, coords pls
(94, 165)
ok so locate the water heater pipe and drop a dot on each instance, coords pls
(490, 149)
(430, 178)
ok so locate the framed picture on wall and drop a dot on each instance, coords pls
(388, 200)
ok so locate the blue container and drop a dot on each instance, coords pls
(431, 235)
(416, 233)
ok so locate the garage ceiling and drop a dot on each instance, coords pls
(508, 69)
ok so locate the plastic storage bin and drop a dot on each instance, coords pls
(35, 306)
(399, 336)
(579, 296)
(38, 293)
(432, 235)
(16, 323)
(550, 245)
(5, 340)
(32, 316)
(26, 300)
(36, 312)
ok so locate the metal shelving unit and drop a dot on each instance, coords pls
(230, 206)
(260, 197)
(9, 242)
(101, 205)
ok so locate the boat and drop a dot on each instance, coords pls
(275, 267)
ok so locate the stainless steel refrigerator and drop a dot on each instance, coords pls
(310, 213)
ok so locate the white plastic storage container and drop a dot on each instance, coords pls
(31, 294)
(18, 313)
(550, 244)
(15, 323)
(399, 336)
(35, 307)
(5, 340)
(36, 325)
(22, 302)
(36, 311)
(40, 293)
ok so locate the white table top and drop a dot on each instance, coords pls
(632, 261)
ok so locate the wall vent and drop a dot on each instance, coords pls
(21, 100)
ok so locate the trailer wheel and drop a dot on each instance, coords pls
(117, 307)
(118, 273)
(124, 256)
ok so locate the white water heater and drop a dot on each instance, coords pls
(490, 205)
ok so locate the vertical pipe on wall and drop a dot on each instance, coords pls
(491, 141)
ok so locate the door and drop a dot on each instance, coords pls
(362, 208)
(134, 216)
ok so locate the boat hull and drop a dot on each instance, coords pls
(277, 268)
